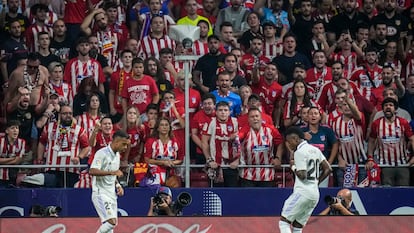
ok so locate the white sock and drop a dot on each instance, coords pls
(297, 230)
(106, 227)
(284, 227)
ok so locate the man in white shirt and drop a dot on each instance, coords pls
(105, 170)
(306, 163)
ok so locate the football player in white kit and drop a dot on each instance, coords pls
(306, 163)
(105, 187)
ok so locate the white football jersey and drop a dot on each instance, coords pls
(106, 160)
(308, 158)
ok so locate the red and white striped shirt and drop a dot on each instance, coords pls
(248, 61)
(287, 113)
(364, 83)
(76, 71)
(317, 78)
(179, 65)
(109, 46)
(200, 48)
(101, 142)
(146, 25)
(351, 136)
(151, 46)
(64, 91)
(409, 68)
(391, 139)
(272, 50)
(326, 97)
(61, 146)
(350, 62)
(32, 34)
(220, 143)
(17, 149)
(258, 149)
(156, 149)
(87, 122)
(332, 116)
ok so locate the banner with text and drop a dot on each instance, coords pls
(206, 202)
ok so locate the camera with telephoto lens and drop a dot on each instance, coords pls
(333, 200)
(158, 199)
(52, 211)
(184, 199)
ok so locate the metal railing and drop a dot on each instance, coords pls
(282, 167)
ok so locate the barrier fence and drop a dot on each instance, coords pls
(283, 169)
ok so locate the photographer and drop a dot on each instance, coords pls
(162, 203)
(41, 211)
(340, 205)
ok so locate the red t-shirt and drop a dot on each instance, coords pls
(200, 121)
(140, 92)
(269, 94)
(194, 102)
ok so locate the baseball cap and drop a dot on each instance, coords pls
(164, 190)
(53, 93)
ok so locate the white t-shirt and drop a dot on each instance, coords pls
(308, 158)
(106, 160)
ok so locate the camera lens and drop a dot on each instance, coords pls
(158, 200)
(330, 200)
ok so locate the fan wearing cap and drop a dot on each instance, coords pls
(56, 84)
(273, 45)
(391, 134)
(161, 203)
(11, 152)
(51, 112)
(275, 14)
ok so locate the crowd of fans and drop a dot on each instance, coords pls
(74, 71)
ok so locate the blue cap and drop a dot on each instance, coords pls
(165, 190)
